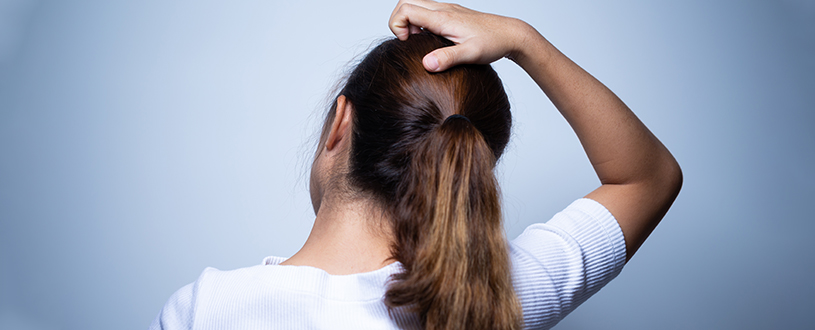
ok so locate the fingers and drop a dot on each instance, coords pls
(422, 3)
(447, 57)
(431, 62)
(408, 18)
(478, 37)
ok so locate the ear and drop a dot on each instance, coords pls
(341, 127)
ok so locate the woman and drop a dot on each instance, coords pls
(408, 230)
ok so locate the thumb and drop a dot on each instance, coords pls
(442, 59)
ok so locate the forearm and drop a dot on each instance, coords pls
(639, 176)
(619, 146)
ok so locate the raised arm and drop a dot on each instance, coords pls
(640, 178)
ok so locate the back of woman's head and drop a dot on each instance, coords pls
(424, 147)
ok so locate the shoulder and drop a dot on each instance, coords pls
(584, 222)
(177, 312)
(559, 264)
(583, 227)
(181, 309)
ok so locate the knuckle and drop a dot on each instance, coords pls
(447, 55)
(408, 8)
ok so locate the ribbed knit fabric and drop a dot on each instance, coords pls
(555, 266)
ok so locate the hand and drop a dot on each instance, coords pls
(479, 38)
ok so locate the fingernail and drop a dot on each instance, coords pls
(431, 62)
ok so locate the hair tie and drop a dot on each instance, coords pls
(457, 116)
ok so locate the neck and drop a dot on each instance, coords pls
(347, 238)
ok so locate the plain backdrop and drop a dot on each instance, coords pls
(143, 141)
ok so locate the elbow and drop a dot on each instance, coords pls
(671, 178)
(678, 178)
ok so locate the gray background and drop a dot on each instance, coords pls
(143, 141)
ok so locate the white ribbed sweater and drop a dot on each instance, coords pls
(555, 266)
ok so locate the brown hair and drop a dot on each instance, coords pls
(433, 174)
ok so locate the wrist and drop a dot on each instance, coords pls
(530, 47)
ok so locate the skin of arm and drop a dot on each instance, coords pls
(639, 176)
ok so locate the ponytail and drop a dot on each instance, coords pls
(433, 175)
(449, 235)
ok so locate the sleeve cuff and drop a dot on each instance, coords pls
(600, 238)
